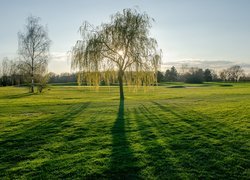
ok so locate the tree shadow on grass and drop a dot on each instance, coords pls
(22, 145)
(159, 160)
(123, 163)
(15, 96)
(203, 146)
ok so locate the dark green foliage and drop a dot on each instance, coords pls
(194, 76)
(208, 75)
(171, 75)
(160, 77)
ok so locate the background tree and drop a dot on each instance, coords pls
(195, 75)
(33, 48)
(1, 75)
(121, 48)
(234, 73)
(160, 76)
(215, 76)
(223, 75)
(9, 73)
(208, 77)
(62, 78)
(5, 72)
(42, 80)
(171, 75)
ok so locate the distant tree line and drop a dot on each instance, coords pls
(12, 75)
(62, 78)
(197, 75)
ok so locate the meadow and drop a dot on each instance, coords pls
(173, 131)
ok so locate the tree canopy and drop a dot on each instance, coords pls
(33, 48)
(119, 50)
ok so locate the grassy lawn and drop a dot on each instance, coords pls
(196, 132)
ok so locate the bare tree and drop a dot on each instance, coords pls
(234, 73)
(1, 74)
(223, 75)
(5, 71)
(33, 48)
(121, 49)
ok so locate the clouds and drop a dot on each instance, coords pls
(59, 56)
(217, 65)
(59, 62)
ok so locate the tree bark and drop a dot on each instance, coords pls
(120, 79)
(32, 85)
(32, 75)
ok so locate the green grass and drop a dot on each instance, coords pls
(196, 132)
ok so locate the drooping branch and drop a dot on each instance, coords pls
(122, 45)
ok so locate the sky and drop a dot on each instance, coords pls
(204, 33)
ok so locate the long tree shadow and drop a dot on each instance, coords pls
(202, 144)
(20, 146)
(123, 163)
(15, 96)
(158, 156)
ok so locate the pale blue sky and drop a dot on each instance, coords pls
(186, 30)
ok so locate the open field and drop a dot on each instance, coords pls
(199, 132)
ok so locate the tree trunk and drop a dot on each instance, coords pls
(32, 85)
(120, 79)
(32, 75)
